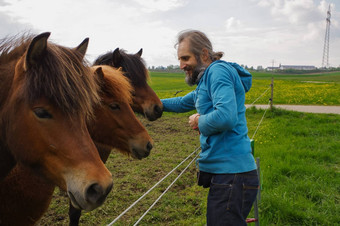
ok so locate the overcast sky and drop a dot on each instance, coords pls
(249, 32)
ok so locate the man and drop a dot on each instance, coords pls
(226, 164)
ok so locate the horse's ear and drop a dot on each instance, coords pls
(99, 73)
(116, 57)
(36, 50)
(83, 47)
(140, 52)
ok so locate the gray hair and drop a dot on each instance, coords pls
(198, 41)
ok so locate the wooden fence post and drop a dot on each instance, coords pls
(272, 94)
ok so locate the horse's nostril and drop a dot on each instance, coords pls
(158, 111)
(94, 193)
(149, 146)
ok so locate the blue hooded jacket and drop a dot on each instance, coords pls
(219, 99)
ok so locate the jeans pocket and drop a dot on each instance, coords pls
(250, 190)
(222, 187)
(221, 200)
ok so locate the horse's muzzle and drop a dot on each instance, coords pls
(94, 197)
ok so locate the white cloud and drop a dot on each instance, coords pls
(313, 31)
(108, 24)
(251, 32)
(296, 12)
(233, 24)
(160, 5)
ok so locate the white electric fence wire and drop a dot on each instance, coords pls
(153, 204)
(260, 96)
(133, 204)
(258, 125)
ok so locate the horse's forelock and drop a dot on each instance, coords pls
(116, 85)
(64, 79)
(135, 69)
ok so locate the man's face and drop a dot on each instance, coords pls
(188, 62)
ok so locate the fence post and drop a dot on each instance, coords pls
(256, 202)
(272, 94)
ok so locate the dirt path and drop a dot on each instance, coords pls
(305, 108)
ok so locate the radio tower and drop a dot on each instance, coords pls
(326, 42)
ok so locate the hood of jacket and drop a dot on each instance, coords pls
(245, 76)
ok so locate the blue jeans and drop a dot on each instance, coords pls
(230, 197)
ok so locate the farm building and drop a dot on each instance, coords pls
(294, 67)
(297, 67)
(272, 68)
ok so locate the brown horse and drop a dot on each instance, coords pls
(112, 76)
(145, 100)
(114, 126)
(46, 96)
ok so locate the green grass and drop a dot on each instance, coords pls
(169, 84)
(299, 159)
(299, 155)
(321, 77)
(307, 89)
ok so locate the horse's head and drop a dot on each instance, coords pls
(115, 123)
(145, 100)
(51, 98)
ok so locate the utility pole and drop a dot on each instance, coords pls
(325, 56)
(273, 61)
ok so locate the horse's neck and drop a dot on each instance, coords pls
(24, 196)
(7, 161)
(6, 80)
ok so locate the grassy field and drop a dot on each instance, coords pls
(299, 156)
(321, 77)
(307, 89)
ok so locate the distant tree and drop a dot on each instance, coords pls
(169, 68)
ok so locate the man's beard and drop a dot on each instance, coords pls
(196, 75)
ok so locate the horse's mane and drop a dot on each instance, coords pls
(62, 76)
(12, 47)
(115, 84)
(133, 66)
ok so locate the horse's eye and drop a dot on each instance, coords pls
(42, 113)
(114, 106)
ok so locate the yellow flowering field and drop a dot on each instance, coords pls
(304, 90)
(295, 92)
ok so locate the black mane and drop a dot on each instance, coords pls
(132, 65)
